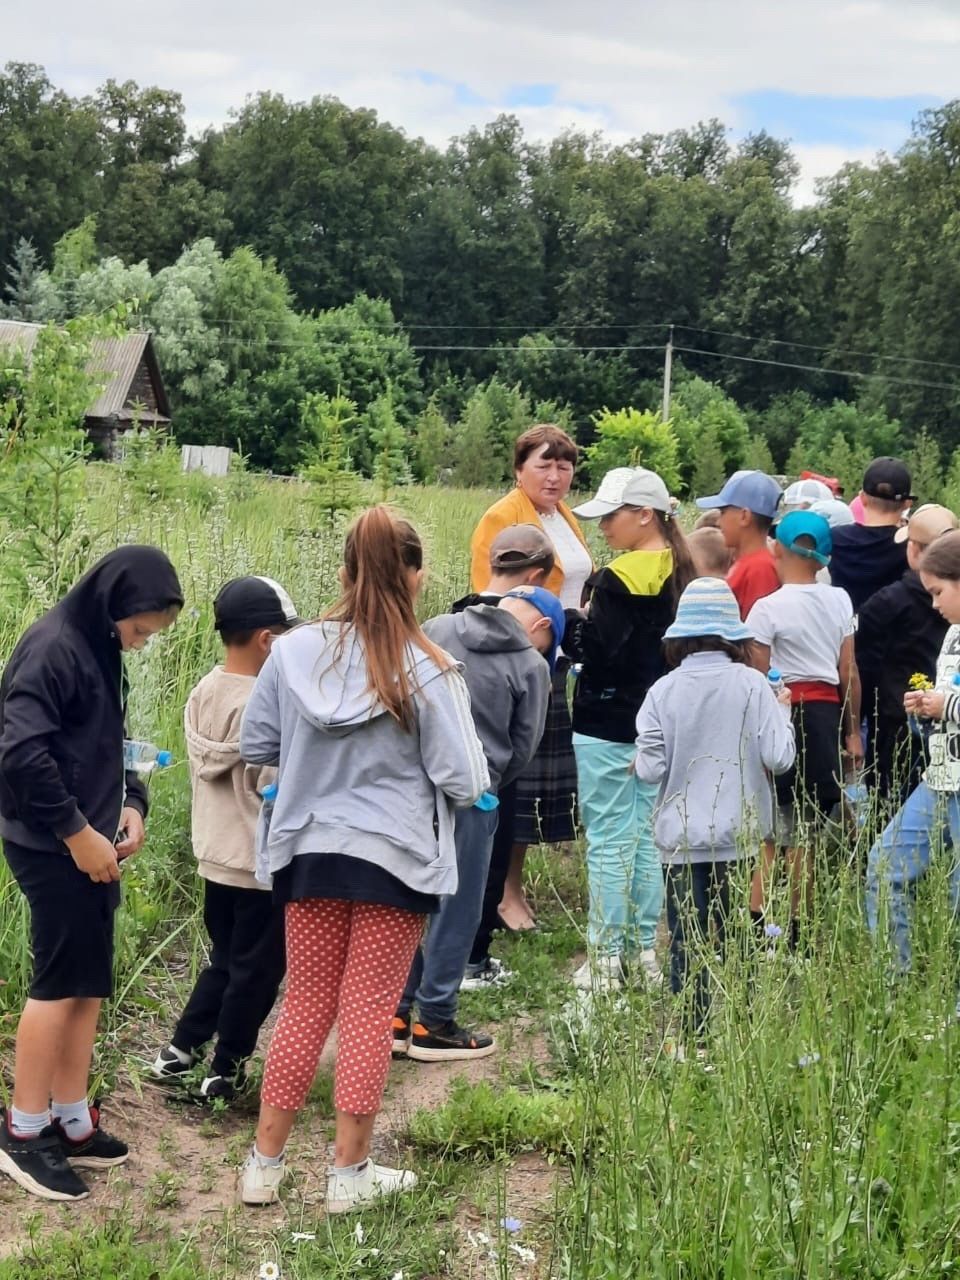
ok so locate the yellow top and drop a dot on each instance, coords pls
(514, 508)
(643, 573)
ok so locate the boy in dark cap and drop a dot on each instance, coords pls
(237, 989)
(520, 556)
(867, 557)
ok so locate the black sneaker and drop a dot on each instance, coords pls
(448, 1043)
(401, 1035)
(38, 1164)
(214, 1087)
(98, 1150)
(168, 1066)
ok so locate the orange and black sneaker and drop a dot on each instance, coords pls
(401, 1035)
(448, 1043)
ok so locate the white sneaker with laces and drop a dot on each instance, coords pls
(646, 968)
(372, 1183)
(599, 973)
(260, 1183)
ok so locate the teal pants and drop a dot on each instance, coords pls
(623, 867)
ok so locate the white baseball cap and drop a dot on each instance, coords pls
(627, 487)
(803, 493)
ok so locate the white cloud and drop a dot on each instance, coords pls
(625, 68)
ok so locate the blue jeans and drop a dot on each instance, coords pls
(927, 823)
(623, 867)
(438, 965)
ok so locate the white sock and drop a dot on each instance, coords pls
(27, 1124)
(349, 1170)
(74, 1119)
(266, 1162)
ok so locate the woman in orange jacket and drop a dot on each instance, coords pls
(546, 793)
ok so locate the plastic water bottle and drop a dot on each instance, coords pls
(144, 757)
(777, 682)
(858, 798)
(269, 794)
(487, 802)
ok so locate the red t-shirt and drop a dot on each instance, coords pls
(753, 577)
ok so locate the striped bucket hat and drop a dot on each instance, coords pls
(707, 608)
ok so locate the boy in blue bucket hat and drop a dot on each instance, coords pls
(707, 734)
(805, 630)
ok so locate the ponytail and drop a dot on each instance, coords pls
(684, 570)
(377, 603)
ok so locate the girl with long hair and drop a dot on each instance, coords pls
(370, 726)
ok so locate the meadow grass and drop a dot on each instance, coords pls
(819, 1138)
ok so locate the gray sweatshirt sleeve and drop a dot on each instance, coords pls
(529, 719)
(651, 761)
(778, 748)
(260, 730)
(452, 754)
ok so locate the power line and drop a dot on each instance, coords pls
(826, 346)
(814, 368)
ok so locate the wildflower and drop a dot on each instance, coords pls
(808, 1060)
(512, 1225)
(269, 1271)
(358, 1233)
(919, 683)
(772, 930)
(525, 1255)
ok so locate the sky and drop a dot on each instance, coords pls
(841, 80)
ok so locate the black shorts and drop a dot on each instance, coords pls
(71, 924)
(812, 785)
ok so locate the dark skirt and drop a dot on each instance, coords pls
(546, 810)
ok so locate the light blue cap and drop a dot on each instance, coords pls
(753, 490)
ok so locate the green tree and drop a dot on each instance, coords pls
(432, 442)
(710, 469)
(391, 464)
(757, 456)
(326, 421)
(476, 462)
(27, 299)
(699, 407)
(629, 438)
(925, 461)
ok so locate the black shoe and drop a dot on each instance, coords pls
(214, 1087)
(98, 1150)
(39, 1165)
(167, 1066)
(448, 1043)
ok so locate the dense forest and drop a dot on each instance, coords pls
(309, 264)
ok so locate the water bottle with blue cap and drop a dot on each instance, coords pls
(144, 757)
(776, 681)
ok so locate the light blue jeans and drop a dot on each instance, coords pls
(623, 866)
(928, 823)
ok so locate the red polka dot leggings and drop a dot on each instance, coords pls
(347, 962)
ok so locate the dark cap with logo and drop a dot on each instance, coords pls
(888, 478)
(244, 604)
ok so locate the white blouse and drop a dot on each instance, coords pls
(572, 556)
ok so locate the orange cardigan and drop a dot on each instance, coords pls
(514, 508)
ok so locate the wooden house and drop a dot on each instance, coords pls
(133, 390)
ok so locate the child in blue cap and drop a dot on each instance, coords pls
(805, 630)
(706, 735)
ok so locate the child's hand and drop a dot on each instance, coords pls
(94, 854)
(853, 745)
(785, 697)
(132, 831)
(931, 704)
(912, 702)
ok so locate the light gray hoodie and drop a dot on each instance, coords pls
(350, 779)
(707, 733)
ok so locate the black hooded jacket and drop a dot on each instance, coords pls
(899, 633)
(866, 558)
(63, 701)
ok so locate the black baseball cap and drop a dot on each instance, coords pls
(244, 604)
(888, 478)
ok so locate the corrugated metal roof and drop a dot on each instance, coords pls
(117, 358)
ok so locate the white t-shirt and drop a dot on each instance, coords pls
(572, 556)
(805, 627)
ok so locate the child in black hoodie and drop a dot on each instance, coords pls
(68, 816)
(899, 635)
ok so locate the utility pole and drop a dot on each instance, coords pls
(667, 366)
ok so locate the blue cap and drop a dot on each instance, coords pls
(752, 490)
(164, 759)
(806, 524)
(549, 605)
(708, 608)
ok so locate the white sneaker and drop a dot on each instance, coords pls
(646, 969)
(259, 1183)
(375, 1181)
(480, 977)
(599, 973)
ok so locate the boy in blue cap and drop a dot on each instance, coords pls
(805, 630)
(748, 503)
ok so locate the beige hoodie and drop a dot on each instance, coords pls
(226, 791)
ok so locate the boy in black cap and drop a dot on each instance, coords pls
(236, 991)
(867, 557)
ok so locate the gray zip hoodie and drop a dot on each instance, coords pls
(350, 779)
(707, 733)
(509, 683)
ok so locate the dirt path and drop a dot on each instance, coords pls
(182, 1173)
